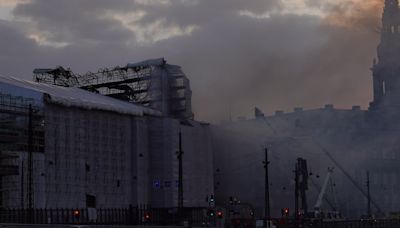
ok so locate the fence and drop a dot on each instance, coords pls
(110, 216)
(361, 223)
(370, 223)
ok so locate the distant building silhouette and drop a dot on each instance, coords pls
(358, 140)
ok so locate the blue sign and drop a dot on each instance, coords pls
(156, 184)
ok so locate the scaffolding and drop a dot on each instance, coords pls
(15, 114)
(151, 83)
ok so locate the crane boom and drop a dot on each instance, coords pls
(380, 212)
(321, 195)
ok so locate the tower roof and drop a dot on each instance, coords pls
(389, 3)
(387, 69)
(390, 11)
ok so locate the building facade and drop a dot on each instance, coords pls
(98, 152)
(354, 142)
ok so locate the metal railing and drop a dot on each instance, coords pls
(141, 215)
(360, 223)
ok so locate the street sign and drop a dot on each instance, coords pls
(156, 184)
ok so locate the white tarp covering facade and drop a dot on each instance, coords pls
(97, 147)
(74, 97)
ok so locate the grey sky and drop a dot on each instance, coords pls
(274, 54)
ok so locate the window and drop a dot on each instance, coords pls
(383, 87)
(90, 201)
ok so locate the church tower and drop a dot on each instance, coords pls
(386, 69)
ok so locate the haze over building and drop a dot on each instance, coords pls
(353, 141)
(110, 139)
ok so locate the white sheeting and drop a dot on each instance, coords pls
(75, 97)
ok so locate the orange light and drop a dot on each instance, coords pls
(147, 216)
(76, 213)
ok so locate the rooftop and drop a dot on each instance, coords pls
(75, 97)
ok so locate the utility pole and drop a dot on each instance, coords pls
(368, 197)
(296, 192)
(351, 179)
(30, 164)
(267, 206)
(180, 187)
(22, 185)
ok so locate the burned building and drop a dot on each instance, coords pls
(356, 143)
(152, 83)
(110, 139)
(103, 140)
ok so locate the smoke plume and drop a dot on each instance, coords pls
(238, 54)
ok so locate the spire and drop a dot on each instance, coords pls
(388, 50)
(386, 69)
(390, 3)
(390, 13)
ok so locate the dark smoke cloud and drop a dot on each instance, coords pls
(234, 62)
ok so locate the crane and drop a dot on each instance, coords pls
(337, 164)
(317, 206)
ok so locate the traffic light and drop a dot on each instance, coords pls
(77, 213)
(147, 216)
(211, 198)
(285, 211)
(220, 214)
(211, 201)
(211, 213)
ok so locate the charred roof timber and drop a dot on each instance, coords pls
(152, 83)
(57, 76)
